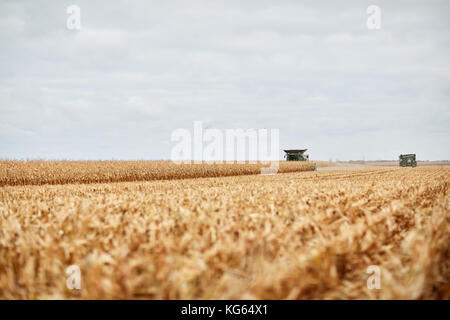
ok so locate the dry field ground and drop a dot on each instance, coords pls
(297, 235)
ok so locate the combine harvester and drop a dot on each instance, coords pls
(296, 155)
(407, 160)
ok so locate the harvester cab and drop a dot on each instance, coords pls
(296, 155)
(407, 160)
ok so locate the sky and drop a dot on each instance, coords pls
(136, 71)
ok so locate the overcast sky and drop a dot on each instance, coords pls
(137, 70)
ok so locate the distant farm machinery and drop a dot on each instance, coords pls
(296, 155)
(407, 160)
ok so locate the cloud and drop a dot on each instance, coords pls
(135, 72)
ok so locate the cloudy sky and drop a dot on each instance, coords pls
(138, 70)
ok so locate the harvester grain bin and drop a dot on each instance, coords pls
(296, 155)
(407, 160)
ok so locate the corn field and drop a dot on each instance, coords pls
(294, 235)
(62, 172)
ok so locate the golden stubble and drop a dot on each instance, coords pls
(300, 235)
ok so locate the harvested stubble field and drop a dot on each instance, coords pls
(298, 235)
